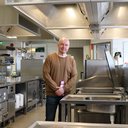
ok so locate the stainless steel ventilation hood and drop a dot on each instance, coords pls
(57, 20)
(14, 24)
(92, 19)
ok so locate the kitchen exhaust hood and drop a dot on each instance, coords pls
(90, 19)
(14, 24)
(59, 20)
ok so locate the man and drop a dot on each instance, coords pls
(59, 73)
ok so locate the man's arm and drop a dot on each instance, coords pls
(46, 75)
(73, 77)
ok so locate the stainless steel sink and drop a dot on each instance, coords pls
(100, 94)
(99, 108)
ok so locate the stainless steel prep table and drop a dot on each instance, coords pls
(71, 100)
(46, 124)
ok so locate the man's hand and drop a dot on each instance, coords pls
(60, 91)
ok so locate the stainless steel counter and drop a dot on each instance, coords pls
(20, 79)
(46, 124)
(72, 100)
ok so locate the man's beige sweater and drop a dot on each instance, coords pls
(57, 69)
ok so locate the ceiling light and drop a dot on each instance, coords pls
(71, 12)
(12, 37)
(122, 11)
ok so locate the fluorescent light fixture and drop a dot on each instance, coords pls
(12, 37)
(122, 11)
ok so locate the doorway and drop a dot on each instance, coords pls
(78, 55)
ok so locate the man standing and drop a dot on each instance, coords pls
(60, 74)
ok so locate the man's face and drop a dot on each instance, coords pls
(63, 46)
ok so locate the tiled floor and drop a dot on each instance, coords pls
(25, 120)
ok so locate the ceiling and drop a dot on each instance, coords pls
(75, 19)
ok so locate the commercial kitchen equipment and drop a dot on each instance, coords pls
(100, 88)
(7, 90)
(3, 103)
(71, 101)
(6, 60)
(7, 103)
(32, 93)
(10, 102)
(46, 124)
(30, 89)
(31, 68)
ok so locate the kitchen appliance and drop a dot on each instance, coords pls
(6, 60)
(3, 103)
(11, 101)
(10, 104)
(102, 79)
(32, 93)
(31, 68)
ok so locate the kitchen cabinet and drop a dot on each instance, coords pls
(30, 89)
(32, 93)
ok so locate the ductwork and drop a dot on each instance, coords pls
(108, 20)
(14, 24)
